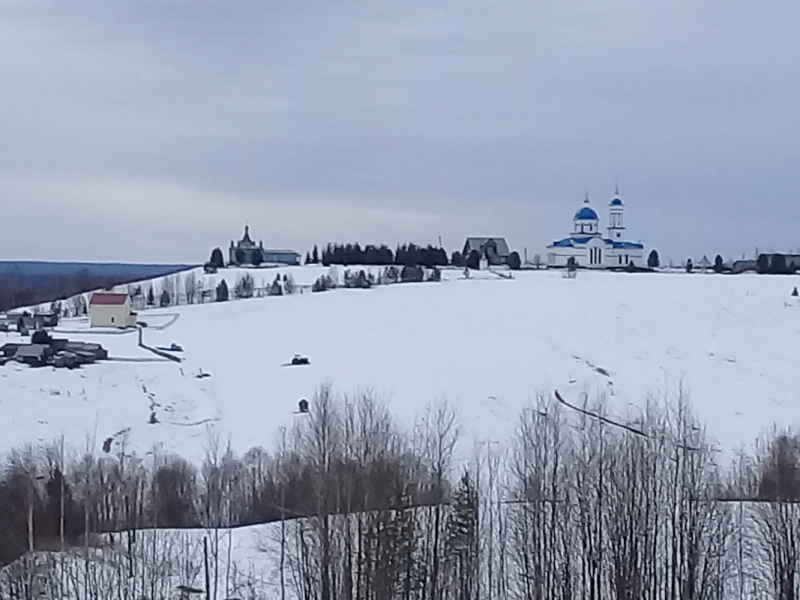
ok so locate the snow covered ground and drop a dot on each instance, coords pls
(488, 345)
(243, 563)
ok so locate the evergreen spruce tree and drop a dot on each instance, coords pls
(652, 260)
(719, 265)
(216, 260)
(222, 291)
(315, 255)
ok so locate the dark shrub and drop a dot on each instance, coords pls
(412, 274)
(474, 260)
(323, 284)
(222, 291)
(652, 260)
(216, 261)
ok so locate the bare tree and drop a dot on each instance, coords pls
(190, 287)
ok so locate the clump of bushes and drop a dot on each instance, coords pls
(323, 284)
(360, 280)
(435, 274)
(412, 274)
(244, 286)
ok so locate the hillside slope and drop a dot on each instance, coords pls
(487, 345)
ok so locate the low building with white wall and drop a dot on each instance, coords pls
(111, 309)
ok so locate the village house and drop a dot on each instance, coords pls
(111, 309)
(493, 250)
(744, 265)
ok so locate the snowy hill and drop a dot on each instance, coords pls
(488, 345)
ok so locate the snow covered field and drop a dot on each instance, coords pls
(488, 345)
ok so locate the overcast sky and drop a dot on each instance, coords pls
(152, 131)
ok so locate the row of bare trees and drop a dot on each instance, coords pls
(579, 504)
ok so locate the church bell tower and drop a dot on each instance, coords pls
(616, 227)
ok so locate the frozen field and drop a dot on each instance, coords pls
(487, 345)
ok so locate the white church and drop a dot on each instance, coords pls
(590, 248)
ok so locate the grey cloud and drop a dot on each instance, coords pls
(472, 117)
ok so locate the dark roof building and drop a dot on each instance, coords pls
(247, 252)
(493, 249)
(34, 355)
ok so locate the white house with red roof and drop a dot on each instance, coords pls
(111, 309)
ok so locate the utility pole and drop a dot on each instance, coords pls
(205, 561)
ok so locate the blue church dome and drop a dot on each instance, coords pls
(616, 202)
(586, 213)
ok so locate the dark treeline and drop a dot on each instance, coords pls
(575, 505)
(16, 291)
(409, 255)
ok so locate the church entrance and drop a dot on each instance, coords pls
(595, 256)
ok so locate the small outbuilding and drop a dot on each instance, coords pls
(35, 355)
(111, 309)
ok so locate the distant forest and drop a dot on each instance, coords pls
(28, 283)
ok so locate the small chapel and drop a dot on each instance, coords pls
(587, 245)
